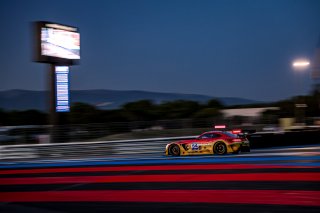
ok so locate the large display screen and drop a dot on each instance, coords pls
(57, 44)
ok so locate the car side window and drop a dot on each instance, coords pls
(209, 135)
(215, 135)
(205, 136)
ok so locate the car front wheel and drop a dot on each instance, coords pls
(175, 150)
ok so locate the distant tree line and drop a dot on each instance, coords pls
(146, 110)
(143, 110)
(27, 117)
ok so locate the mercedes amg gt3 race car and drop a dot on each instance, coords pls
(213, 142)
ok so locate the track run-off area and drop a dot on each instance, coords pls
(285, 179)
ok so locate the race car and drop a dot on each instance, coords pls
(212, 142)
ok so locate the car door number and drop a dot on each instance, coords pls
(195, 146)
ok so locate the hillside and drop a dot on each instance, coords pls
(104, 99)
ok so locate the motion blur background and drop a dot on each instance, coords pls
(153, 74)
(164, 68)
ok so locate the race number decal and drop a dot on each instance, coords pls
(194, 146)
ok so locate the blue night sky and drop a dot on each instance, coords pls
(229, 48)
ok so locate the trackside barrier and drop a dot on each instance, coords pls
(77, 150)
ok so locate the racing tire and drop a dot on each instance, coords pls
(174, 150)
(220, 148)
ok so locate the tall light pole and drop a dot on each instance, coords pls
(300, 66)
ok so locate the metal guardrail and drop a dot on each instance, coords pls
(77, 150)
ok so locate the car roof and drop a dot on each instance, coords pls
(214, 131)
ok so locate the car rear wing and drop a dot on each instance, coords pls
(245, 132)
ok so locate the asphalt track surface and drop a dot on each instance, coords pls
(266, 180)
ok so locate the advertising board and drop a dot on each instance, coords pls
(56, 43)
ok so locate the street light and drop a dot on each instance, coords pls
(300, 65)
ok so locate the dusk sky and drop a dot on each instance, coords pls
(227, 48)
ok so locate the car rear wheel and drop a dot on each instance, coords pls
(175, 150)
(220, 148)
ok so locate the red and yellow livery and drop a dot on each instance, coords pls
(213, 142)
